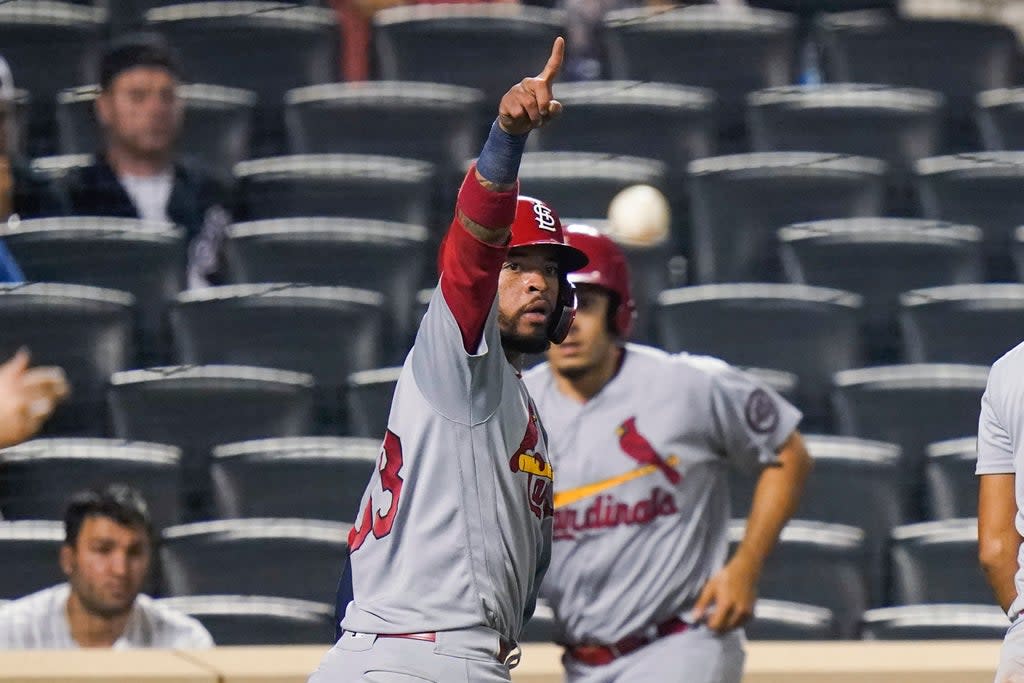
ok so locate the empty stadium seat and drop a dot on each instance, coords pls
(215, 133)
(55, 168)
(735, 240)
(879, 258)
(786, 384)
(1018, 252)
(287, 558)
(49, 46)
(30, 549)
(387, 257)
(732, 51)
(809, 331)
(816, 564)
(261, 478)
(1001, 118)
(813, 7)
(266, 47)
(912, 406)
(897, 125)
(196, 408)
(952, 485)
(38, 477)
(258, 620)
(784, 620)
(541, 626)
(963, 323)
(584, 184)
(937, 562)
(957, 58)
(145, 259)
(385, 117)
(985, 189)
(16, 104)
(85, 330)
(483, 46)
(935, 622)
(385, 188)
(370, 393)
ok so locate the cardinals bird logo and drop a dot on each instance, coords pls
(530, 460)
(640, 449)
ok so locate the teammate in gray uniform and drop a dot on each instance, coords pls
(454, 530)
(1001, 500)
(641, 441)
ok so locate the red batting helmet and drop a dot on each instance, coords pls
(536, 224)
(607, 268)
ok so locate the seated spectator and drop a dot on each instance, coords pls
(138, 174)
(28, 397)
(106, 556)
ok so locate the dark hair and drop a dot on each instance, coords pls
(119, 502)
(137, 49)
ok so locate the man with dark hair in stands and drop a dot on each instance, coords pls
(106, 556)
(139, 173)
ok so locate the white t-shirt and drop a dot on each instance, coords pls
(40, 622)
(150, 194)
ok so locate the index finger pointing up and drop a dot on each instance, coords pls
(554, 65)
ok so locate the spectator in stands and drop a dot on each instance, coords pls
(138, 174)
(106, 556)
(28, 397)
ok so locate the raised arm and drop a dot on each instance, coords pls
(476, 244)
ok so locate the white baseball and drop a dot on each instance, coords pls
(639, 215)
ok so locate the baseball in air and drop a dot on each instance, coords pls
(639, 215)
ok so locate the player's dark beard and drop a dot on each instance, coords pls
(520, 344)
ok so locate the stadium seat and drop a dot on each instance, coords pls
(56, 168)
(879, 258)
(266, 47)
(369, 401)
(582, 183)
(387, 118)
(786, 384)
(983, 189)
(897, 125)
(38, 477)
(146, 260)
(287, 558)
(732, 51)
(937, 562)
(725, 321)
(49, 46)
(912, 406)
(216, 128)
(352, 185)
(854, 482)
(1018, 252)
(816, 564)
(390, 258)
(329, 332)
(935, 622)
(16, 103)
(261, 478)
(258, 620)
(735, 241)
(30, 549)
(957, 58)
(813, 7)
(541, 626)
(988, 321)
(784, 620)
(952, 486)
(85, 330)
(196, 408)
(488, 47)
(1001, 118)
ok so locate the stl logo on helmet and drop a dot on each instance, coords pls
(529, 460)
(545, 219)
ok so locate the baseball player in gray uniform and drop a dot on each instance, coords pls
(1000, 499)
(454, 530)
(641, 441)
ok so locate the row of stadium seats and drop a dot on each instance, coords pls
(732, 52)
(814, 563)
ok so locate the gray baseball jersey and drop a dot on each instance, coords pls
(642, 505)
(1001, 439)
(454, 529)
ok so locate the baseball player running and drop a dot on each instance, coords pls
(1000, 494)
(454, 529)
(641, 440)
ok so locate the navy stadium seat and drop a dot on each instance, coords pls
(935, 622)
(258, 620)
(30, 549)
(937, 562)
(370, 393)
(784, 620)
(1001, 118)
(949, 475)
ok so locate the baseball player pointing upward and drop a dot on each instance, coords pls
(641, 441)
(454, 530)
